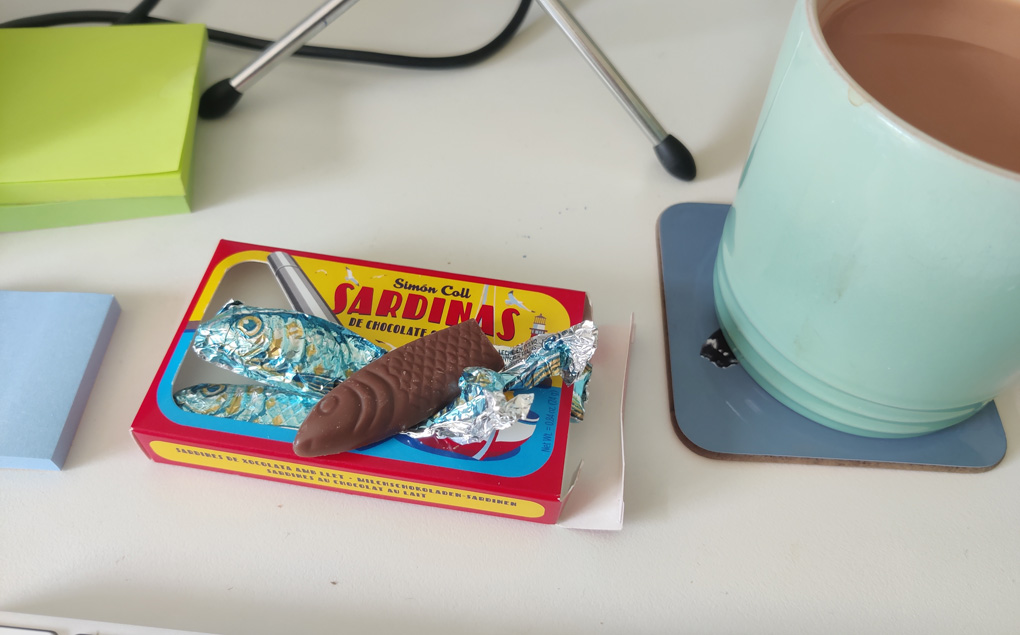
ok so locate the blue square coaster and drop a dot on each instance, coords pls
(51, 346)
(722, 413)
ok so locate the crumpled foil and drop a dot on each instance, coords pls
(565, 353)
(292, 350)
(481, 409)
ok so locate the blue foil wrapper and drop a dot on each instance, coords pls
(264, 405)
(580, 397)
(292, 350)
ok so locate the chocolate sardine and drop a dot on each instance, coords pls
(396, 392)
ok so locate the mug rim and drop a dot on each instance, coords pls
(814, 24)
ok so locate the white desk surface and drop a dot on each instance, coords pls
(522, 168)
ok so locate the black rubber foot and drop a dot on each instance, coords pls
(218, 100)
(676, 158)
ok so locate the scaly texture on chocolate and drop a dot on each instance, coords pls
(395, 392)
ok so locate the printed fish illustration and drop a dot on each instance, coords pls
(292, 350)
(264, 405)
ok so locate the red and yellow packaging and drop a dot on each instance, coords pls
(517, 472)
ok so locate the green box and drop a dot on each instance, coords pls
(97, 123)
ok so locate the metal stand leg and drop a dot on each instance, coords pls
(674, 156)
(222, 96)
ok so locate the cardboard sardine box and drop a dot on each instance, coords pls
(518, 473)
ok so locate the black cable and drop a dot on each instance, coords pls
(322, 52)
(139, 13)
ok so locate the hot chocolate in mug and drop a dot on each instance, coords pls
(868, 274)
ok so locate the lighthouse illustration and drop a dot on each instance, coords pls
(538, 325)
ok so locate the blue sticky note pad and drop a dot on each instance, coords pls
(51, 346)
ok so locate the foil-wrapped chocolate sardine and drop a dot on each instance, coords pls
(264, 405)
(294, 350)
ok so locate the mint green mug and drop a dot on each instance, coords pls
(868, 275)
